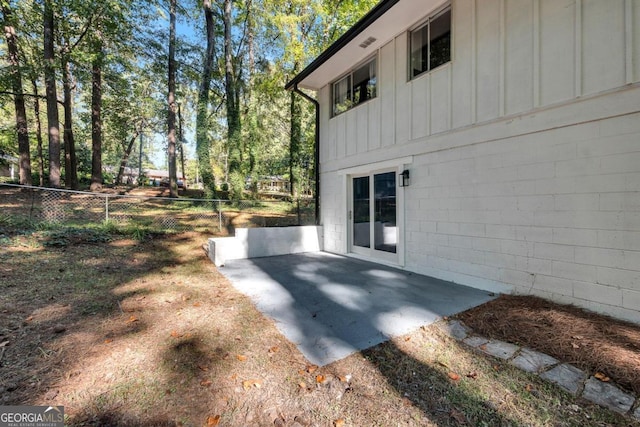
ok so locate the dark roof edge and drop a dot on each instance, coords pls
(375, 13)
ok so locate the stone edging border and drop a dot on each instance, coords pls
(568, 377)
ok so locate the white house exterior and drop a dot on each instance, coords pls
(523, 149)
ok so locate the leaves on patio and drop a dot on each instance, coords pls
(602, 377)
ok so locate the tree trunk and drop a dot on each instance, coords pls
(233, 113)
(96, 119)
(181, 145)
(125, 156)
(202, 139)
(71, 164)
(18, 98)
(171, 119)
(52, 97)
(36, 113)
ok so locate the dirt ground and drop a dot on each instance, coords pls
(148, 333)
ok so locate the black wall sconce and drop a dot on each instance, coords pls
(404, 178)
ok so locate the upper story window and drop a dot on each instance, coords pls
(430, 44)
(355, 88)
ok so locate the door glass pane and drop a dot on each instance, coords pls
(361, 220)
(385, 229)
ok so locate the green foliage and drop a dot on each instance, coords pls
(129, 38)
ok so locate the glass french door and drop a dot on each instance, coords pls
(373, 214)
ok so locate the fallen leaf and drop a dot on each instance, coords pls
(247, 384)
(577, 337)
(483, 347)
(602, 377)
(454, 376)
(205, 383)
(213, 420)
(407, 339)
(528, 388)
(203, 368)
(196, 304)
(241, 357)
(574, 345)
(175, 334)
(302, 384)
(274, 349)
(29, 319)
(345, 378)
(320, 379)
(339, 422)
(4, 344)
(132, 319)
(108, 341)
(312, 368)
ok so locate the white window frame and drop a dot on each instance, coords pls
(351, 90)
(427, 24)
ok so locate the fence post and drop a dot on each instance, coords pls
(106, 207)
(219, 217)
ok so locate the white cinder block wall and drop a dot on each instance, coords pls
(555, 213)
(525, 147)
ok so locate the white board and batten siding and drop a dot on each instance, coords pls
(525, 147)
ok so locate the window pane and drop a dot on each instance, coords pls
(342, 95)
(361, 221)
(419, 51)
(364, 83)
(385, 229)
(440, 40)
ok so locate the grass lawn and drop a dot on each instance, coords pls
(126, 332)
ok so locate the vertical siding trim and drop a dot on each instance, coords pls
(578, 49)
(628, 37)
(536, 53)
(503, 62)
(450, 100)
(474, 65)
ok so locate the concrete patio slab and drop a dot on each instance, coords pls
(331, 306)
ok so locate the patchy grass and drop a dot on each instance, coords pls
(147, 333)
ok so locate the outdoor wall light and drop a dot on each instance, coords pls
(404, 178)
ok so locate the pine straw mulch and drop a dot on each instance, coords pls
(592, 342)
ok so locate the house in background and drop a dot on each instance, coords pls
(491, 143)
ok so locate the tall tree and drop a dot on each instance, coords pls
(203, 147)
(36, 114)
(171, 98)
(96, 113)
(70, 162)
(234, 151)
(52, 97)
(18, 95)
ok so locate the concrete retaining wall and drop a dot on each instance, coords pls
(263, 242)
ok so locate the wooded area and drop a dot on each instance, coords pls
(170, 75)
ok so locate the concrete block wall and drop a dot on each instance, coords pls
(554, 213)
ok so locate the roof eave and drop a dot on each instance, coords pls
(375, 13)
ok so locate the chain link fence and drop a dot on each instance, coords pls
(37, 205)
